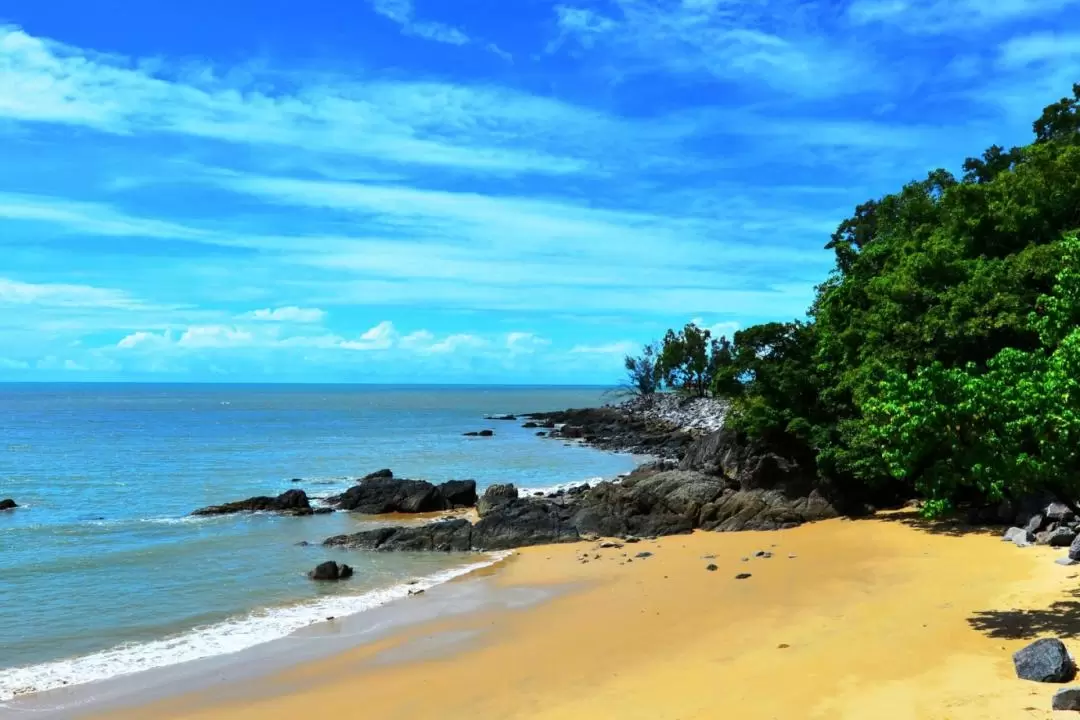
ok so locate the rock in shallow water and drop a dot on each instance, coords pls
(8, 504)
(331, 570)
(1045, 660)
(293, 502)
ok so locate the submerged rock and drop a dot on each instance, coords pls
(331, 570)
(1045, 660)
(480, 433)
(500, 417)
(8, 504)
(292, 502)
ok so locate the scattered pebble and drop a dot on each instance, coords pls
(711, 568)
(782, 646)
(417, 592)
(632, 539)
(329, 617)
(742, 576)
(792, 557)
(746, 559)
(644, 555)
(708, 557)
(763, 554)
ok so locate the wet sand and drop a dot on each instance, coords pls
(876, 618)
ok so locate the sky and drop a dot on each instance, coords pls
(485, 191)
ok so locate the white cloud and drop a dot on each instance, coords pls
(424, 123)
(402, 12)
(718, 330)
(61, 295)
(941, 16)
(13, 364)
(380, 337)
(724, 39)
(1044, 47)
(616, 348)
(525, 342)
(458, 341)
(289, 314)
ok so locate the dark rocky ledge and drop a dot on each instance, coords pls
(617, 430)
(378, 494)
(293, 502)
(721, 483)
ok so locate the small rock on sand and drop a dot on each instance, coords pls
(416, 592)
(1045, 660)
(1067, 561)
(644, 555)
(632, 539)
(608, 545)
(1067, 699)
(708, 557)
(711, 568)
(763, 554)
(743, 576)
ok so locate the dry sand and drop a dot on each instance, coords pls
(878, 618)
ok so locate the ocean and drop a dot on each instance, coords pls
(103, 572)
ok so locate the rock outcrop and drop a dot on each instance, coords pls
(292, 502)
(443, 536)
(379, 495)
(496, 495)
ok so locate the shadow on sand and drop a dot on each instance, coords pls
(1061, 619)
(953, 527)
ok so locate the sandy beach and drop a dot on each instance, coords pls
(876, 618)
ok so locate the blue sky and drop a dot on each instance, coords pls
(476, 190)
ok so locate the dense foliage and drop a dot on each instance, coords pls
(940, 355)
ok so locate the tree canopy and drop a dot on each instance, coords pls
(939, 356)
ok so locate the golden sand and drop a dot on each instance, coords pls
(878, 618)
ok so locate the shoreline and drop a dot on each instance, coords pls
(880, 617)
(449, 593)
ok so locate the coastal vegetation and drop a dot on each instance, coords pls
(941, 357)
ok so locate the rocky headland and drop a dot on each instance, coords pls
(700, 477)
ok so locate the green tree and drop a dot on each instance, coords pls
(643, 375)
(687, 359)
(1006, 430)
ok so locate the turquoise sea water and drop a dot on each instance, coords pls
(102, 571)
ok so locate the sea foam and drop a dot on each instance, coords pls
(222, 638)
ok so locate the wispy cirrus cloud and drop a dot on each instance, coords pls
(64, 295)
(424, 123)
(952, 16)
(776, 44)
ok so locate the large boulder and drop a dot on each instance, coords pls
(458, 493)
(1058, 537)
(8, 504)
(292, 502)
(1066, 699)
(390, 495)
(1074, 549)
(678, 501)
(496, 495)
(443, 536)
(520, 522)
(331, 570)
(1045, 660)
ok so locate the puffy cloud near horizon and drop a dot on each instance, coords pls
(403, 189)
